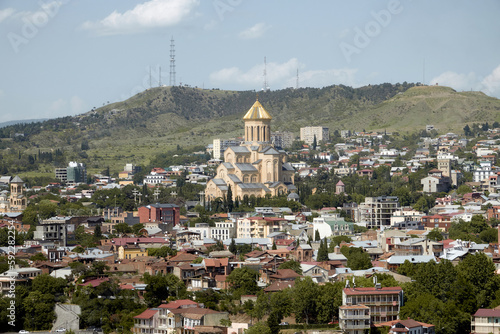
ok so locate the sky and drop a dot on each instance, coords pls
(64, 57)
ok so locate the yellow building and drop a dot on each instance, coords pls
(255, 167)
(131, 252)
(16, 202)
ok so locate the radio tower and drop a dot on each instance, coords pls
(172, 62)
(266, 86)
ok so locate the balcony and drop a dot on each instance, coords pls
(355, 317)
(359, 326)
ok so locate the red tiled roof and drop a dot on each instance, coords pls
(148, 314)
(285, 273)
(486, 312)
(220, 278)
(95, 282)
(178, 303)
(373, 291)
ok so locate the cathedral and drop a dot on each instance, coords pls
(255, 167)
(16, 201)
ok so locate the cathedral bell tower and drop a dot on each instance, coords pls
(257, 124)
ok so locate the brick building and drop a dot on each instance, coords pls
(160, 213)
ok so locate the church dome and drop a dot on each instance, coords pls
(257, 112)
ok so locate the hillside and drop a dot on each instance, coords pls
(161, 118)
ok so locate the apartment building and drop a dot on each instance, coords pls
(377, 211)
(259, 227)
(308, 133)
(354, 319)
(384, 302)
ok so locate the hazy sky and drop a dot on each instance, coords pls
(64, 57)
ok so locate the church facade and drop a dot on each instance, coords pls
(255, 167)
(16, 201)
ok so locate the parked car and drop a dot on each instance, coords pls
(284, 324)
(22, 331)
(61, 330)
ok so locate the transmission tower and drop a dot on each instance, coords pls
(172, 62)
(266, 86)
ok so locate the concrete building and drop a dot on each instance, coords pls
(483, 171)
(73, 174)
(220, 145)
(259, 227)
(307, 134)
(255, 167)
(56, 230)
(283, 139)
(377, 211)
(354, 319)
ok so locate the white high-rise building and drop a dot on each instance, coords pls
(307, 134)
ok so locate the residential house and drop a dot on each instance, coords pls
(146, 322)
(440, 221)
(384, 302)
(317, 273)
(435, 182)
(409, 326)
(486, 321)
(394, 262)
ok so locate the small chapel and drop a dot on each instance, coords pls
(255, 167)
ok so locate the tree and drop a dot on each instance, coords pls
(161, 287)
(305, 293)
(329, 300)
(230, 204)
(357, 258)
(322, 251)
(315, 143)
(445, 316)
(317, 237)
(259, 328)
(232, 246)
(243, 281)
(435, 235)
(480, 269)
(97, 232)
(136, 228)
(47, 284)
(163, 251)
(38, 257)
(291, 264)
(467, 131)
(123, 228)
(39, 309)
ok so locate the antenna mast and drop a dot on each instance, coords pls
(266, 86)
(159, 78)
(172, 62)
(150, 77)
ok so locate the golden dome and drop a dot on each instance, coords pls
(256, 112)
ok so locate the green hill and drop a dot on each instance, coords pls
(160, 119)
